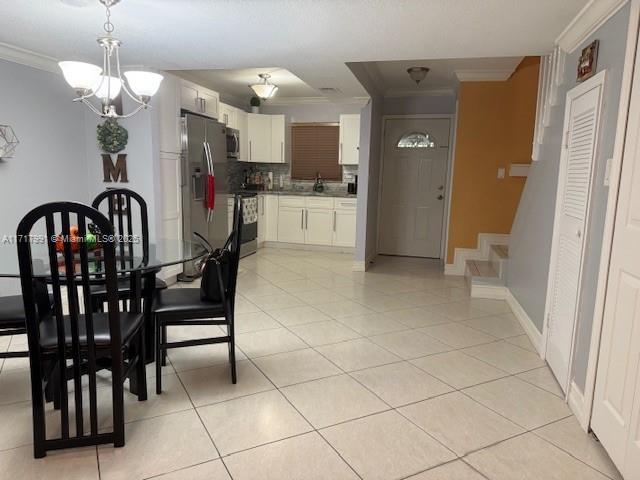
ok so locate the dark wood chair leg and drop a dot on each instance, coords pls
(141, 371)
(164, 340)
(118, 407)
(232, 349)
(159, 354)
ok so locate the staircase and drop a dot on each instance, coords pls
(487, 278)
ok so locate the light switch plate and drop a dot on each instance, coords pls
(501, 172)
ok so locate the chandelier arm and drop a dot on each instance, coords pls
(92, 108)
(125, 87)
(137, 109)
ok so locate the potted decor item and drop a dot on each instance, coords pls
(255, 105)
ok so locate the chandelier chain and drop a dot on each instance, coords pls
(108, 26)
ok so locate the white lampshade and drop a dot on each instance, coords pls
(80, 75)
(144, 84)
(264, 90)
(104, 87)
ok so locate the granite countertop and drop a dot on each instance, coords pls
(307, 193)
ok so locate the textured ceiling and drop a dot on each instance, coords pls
(313, 39)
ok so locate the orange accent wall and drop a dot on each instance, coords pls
(495, 129)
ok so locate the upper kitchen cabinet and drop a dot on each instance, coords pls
(349, 139)
(242, 121)
(277, 139)
(197, 99)
(266, 138)
(228, 115)
(167, 104)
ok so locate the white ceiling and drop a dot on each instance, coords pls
(313, 39)
(392, 79)
(236, 82)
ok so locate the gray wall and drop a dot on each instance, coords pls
(531, 234)
(49, 164)
(432, 104)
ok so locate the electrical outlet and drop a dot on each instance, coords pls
(501, 172)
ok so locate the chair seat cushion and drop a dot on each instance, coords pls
(12, 311)
(185, 301)
(124, 287)
(129, 324)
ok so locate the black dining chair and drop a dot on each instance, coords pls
(65, 347)
(184, 306)
(127, 212)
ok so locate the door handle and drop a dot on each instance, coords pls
(441, 187)
(440, 197)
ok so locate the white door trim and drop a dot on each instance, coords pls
(614, 185)
(581, 89)
(448, 180)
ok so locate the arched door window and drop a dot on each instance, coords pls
(416, 140)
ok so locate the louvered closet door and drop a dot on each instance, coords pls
(574, 186)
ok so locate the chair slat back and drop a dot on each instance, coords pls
(120, 204)
(74, 354)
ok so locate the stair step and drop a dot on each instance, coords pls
(502, 251)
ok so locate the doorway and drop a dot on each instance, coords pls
(413, 186)
(581, 123)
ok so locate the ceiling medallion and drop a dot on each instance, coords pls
(106, 82)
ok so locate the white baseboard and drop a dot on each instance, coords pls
(495, 292)
(461, 255)
(310, 248)
(577, 405)
(525, 321)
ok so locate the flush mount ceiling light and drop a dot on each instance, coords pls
(264, 89)
(106, 83)
(417, 74)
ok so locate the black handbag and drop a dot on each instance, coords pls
(215, 275)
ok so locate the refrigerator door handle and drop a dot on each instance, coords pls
(210, 196)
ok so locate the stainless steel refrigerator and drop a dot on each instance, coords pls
(204, 152)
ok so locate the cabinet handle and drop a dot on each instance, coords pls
(250, 156)
(334, 220)
(301, 219)
(340, 154)
(282, 152)
(306, 221)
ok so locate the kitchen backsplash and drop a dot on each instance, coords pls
(239, 169)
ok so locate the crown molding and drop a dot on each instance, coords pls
(433, 92)
(362, 101)
(588, 20)
(498, 75)
(28, 58)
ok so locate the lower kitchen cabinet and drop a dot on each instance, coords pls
(267, 218)
(291, 224)
(344, 228)
(318, 227)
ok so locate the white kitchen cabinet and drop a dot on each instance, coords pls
(318, 226)
(167, 104)
(259, 134)
(266, 134)
(344, 223)
(291, 224)
(228, 115)
(277, 139)
(271, 205)
(198, 99)
(242, 120)
(349, 152)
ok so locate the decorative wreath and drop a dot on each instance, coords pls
(112, 137)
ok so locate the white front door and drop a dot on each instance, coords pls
(414, 171)
(582, 115)
(616, 404)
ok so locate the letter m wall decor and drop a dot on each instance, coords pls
(117, 172)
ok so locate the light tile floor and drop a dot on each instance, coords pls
(391, 374)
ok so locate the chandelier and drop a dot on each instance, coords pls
(106, 82)
(264, 89)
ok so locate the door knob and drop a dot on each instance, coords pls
(441, 187)
(440, 197)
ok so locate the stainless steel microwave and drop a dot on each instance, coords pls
(233, 143)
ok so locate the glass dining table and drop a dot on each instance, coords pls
(131, 260)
